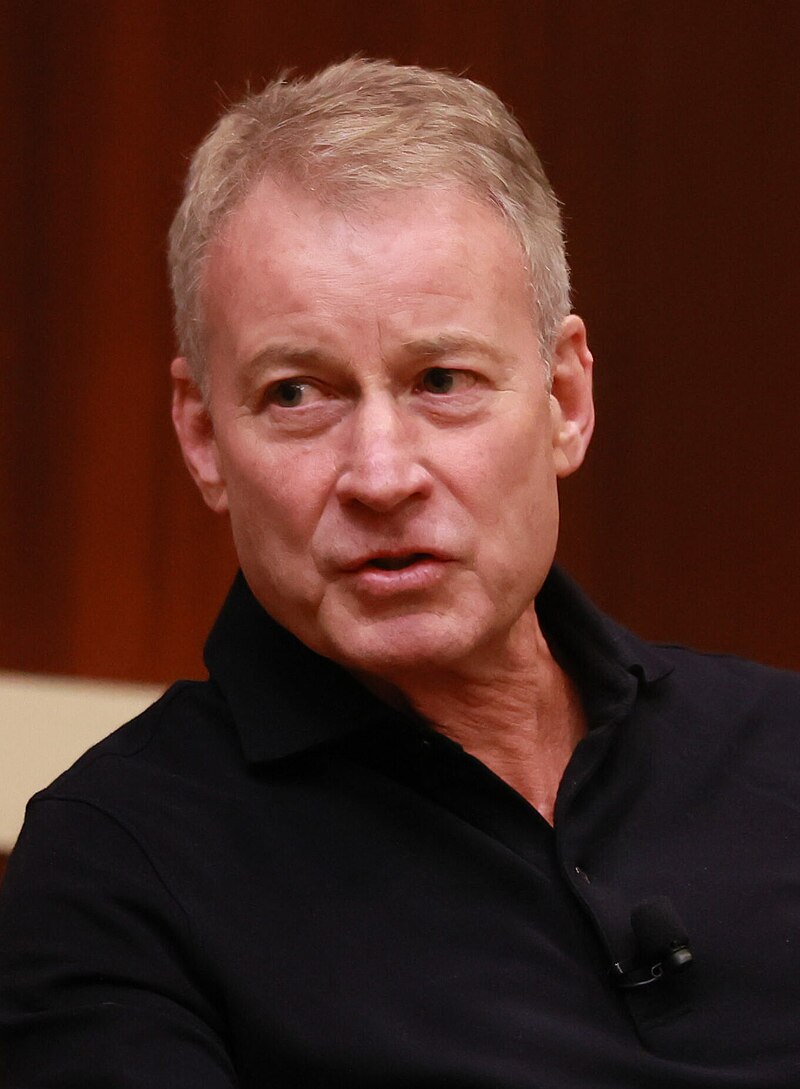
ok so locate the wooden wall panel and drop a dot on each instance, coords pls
(670, 131)
(691, 289)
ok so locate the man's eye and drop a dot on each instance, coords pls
(444, 380)
(290, 393)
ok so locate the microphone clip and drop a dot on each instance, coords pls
(663, 945)
(675, 960)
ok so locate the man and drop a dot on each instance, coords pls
(434, 820)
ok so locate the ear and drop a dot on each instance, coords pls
(571, 402)
(195, 431)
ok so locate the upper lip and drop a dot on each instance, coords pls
(366, 558)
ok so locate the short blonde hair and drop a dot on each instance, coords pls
(355, 128)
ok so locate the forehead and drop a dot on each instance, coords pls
(407, 255)
(297, 221)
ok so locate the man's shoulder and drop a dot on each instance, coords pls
(602, 656)
(732, 716)
(708, 672)
(185, 735)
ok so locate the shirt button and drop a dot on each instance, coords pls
(583, 875)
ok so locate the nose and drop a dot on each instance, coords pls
(380, 468)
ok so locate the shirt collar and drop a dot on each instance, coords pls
(284, 698)
(607, 663)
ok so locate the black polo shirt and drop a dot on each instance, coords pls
(271, 879)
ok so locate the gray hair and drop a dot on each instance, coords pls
(355, 128)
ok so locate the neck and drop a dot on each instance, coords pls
(514, 709)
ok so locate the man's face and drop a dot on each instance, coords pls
(379, 426)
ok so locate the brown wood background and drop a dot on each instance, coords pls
(671, 133)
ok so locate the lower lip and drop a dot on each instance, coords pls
(379, 583)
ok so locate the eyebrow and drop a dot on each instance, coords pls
(287, 352)
(439, 346)
(454, 343)
(280, 354)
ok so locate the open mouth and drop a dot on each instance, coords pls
(397, 563)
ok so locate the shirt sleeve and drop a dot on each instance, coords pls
(101, 981)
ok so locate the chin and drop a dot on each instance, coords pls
(398, 645)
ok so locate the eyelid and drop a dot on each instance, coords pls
(291, 380)
(464, 377)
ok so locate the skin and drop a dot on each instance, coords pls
(380, 432)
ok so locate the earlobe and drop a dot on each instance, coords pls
(571, 398)
(195, 431)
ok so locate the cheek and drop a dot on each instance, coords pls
(278, 493)
(511, 477)
(511, 494)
